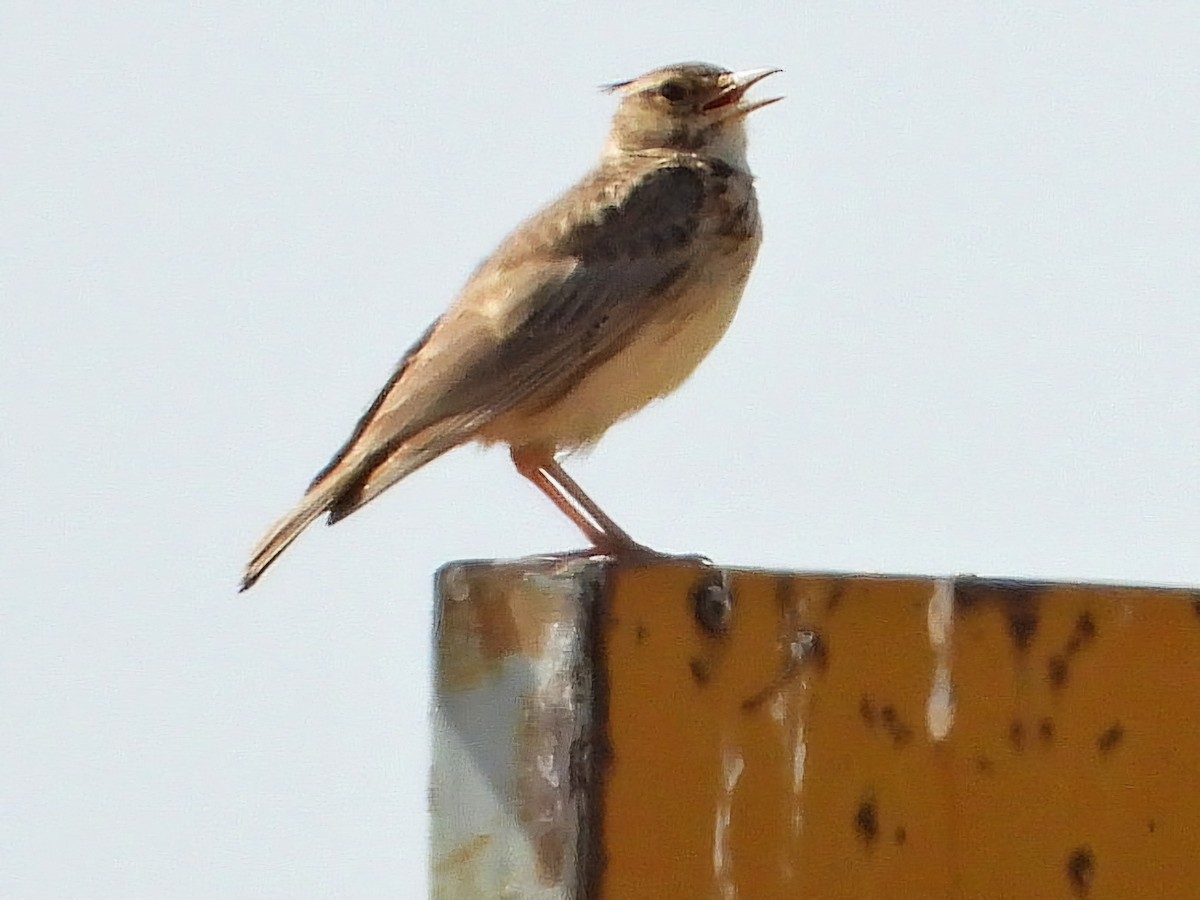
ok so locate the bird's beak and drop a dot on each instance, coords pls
(735, 87)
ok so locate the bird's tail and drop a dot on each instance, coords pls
(343, 489)
(286, 530)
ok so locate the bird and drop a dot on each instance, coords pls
(604, 301)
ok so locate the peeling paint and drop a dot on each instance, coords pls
(732, 766)
(781, 752)
(939, 708)
(799, 757)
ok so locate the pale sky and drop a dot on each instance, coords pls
(969, 345)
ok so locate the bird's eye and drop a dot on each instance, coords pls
(672, 92)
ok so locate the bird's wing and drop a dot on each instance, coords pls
(556, 300)
(605, 275)
(539, 316)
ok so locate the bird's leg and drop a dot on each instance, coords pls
(548, 476)
(615, 535)
(542, 482)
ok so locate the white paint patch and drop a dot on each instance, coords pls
(939, 709)
(799, 756)
(788, 710)
(732, 766)
(777, 709)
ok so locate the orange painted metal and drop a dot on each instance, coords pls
(762, 735)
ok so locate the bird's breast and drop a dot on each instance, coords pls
(658, 356)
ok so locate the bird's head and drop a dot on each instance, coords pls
(693, 107)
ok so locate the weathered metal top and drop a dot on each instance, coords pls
(672, 729)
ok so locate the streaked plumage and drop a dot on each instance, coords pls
(602, 302)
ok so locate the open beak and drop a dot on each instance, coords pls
(737, 83)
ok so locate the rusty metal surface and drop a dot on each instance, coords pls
(827, 736)
(517, 748)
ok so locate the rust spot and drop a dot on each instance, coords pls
(1016, 734)
(834, 600)
(1046, 730)
(1057, 671)
(811, 647)
(785, 595)
(884, 717)
(1022, 626)
(1081, 870)
(480, 609)
(801, 643)
(900, 836)
(983, 764)
(798, 647)
(464, 854)
(1084, 633)
(1151, 826)
(700, 669)
(866, 822)
(824, 594)
(866, 710)
(640, 634)
(712, 605)
(900, 733)
(1018, 599)
(1059, 665)
(1110, 738)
